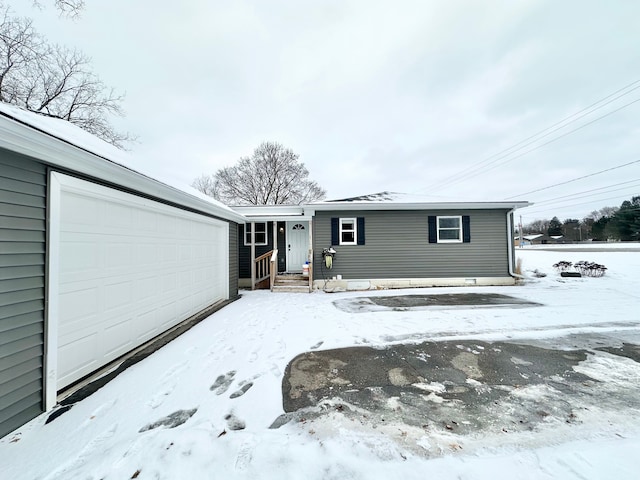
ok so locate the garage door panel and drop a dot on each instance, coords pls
(76, 209)
(117, 336)
(169, 254)
(77, 356)
(118, 216)
(146, 326)
(118, 296)
(169, 283)
(78, 303)
(120, 256)
(80, 255)
(128, 273)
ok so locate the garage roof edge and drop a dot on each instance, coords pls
(19, 136)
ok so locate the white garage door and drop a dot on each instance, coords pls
(127, 269)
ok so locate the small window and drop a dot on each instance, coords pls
(348, 235)
(261, 233)
(449, 229)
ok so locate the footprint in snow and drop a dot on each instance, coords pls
(234, 423)
(172, 420)
(223, 382)
(78, 460)
(242, 390)
(245, 453)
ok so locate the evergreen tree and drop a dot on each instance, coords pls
(555, 227)
(628, 220)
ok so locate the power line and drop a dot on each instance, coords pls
(468, 172)
(580, 194)
(570, 198)
(568, 206)
(543, 144)
(574, 179)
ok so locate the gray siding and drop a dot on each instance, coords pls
(22, 276)
(397, 246)
(233, 260)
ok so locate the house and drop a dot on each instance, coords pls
(281, 228)
(385, 240)
(543, 239)
(517, 243)
(95, 259)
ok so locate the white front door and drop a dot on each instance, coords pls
(297, 245)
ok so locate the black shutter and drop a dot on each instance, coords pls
(335, 240)
(360, 230)
(433, 235)
(466, 229)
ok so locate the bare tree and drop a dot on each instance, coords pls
(54, 81)
(206, 184)
(537, 226)
(271, 176)
(67, 8)
(605, 212)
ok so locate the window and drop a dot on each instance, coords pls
(261, 233)
(449, 229)
(348, 231)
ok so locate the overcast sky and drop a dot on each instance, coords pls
(405, 96)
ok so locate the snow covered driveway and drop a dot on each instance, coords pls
(201, 407)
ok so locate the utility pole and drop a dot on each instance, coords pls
(520, 230)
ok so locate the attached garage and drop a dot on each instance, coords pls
(95, 260)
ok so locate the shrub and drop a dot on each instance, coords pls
(590, 269)
(562, 266)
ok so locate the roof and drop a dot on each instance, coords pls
(371, 197)
(538, 236)
(376, 201)
(406, 201)
(61, 144)
(272, 213)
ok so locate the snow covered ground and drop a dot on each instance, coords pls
(226, 374)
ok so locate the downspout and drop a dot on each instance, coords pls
(510, 252)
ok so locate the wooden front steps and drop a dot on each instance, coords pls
(291, 283)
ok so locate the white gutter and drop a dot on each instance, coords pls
(510, 252)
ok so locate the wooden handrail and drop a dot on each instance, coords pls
(263, 264)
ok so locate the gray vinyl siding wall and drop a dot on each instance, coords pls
(23, 185)
(233, 260)
(397, 246)
(244, 251)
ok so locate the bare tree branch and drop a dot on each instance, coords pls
(55, 81)
(271, 176)
(66, 8)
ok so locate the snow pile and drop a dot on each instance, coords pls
(201, 407)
